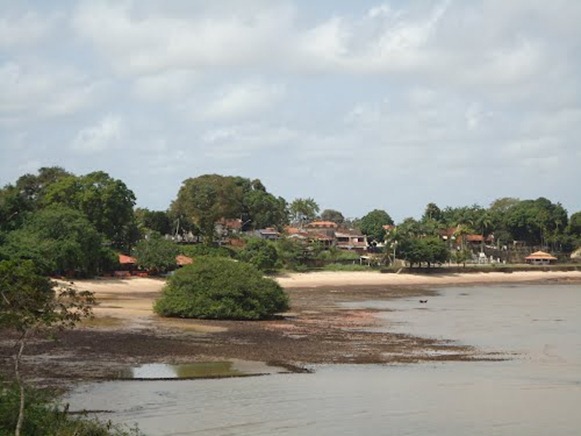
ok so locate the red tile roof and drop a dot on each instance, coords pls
(182, 260)
(126, 260)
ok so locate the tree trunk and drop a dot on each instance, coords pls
(18, 377)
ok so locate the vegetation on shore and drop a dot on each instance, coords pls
(75, 225)
(218, 288)
(31, 304)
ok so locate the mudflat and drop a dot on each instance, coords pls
(319, 328)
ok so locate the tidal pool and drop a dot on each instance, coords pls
(537, 392)
(159, 371)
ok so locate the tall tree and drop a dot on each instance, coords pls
(107, 203)
(333, 215)
(303, 210)
(432, 212)
(206, 199)
(372, 224)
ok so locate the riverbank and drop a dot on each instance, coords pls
(321, 327)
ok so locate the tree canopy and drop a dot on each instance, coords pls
(59, 240)
(372, 224)
(208, 198)
(219, 288)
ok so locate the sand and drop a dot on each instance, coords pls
(374, 278)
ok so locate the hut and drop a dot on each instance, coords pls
(540, 258)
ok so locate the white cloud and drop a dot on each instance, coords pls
(166, 86)
(27, 92)
(139, 40)
(25, 29)
(104, 135)
(241, 101)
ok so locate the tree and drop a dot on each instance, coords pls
(260, 253)
(60, 240)
(264, 210)
(218, 288)
(574, 228)
(31, 303)
(106, 202)
(155, 253)
(303, 210)
(205, 200)
(372, 224)
(153, 220)
(333, 215)
(430, 250)
(537, 222)
(432, 212)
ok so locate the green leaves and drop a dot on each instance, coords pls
(156, 253)
(219, 288)
(372, 224)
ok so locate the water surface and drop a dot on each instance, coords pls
(538, 392)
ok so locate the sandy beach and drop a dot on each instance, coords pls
(320, 327)
(373, 278)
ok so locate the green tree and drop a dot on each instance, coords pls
(372, 224)
(432, 212)
(260, 253)
(574, 228)
(333, 215)
(59, 240)
(303, 210)
(218, 288)
(430, 250)
(107, 203)
(155, 253)
(206, 199)
(153, 220)
(30, 303)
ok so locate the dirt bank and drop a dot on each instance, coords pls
(318, 329)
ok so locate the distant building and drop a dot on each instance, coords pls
(540, 258)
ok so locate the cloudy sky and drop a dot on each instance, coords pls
(358, 104)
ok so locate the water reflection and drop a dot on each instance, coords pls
(184, 371)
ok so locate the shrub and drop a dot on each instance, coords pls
(43, 416)
(260, 253)
(218, 288)
(196, 250)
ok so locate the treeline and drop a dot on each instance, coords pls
(78, 223)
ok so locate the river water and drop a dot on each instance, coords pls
(536, 392)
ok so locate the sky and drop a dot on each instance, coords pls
(360, 105)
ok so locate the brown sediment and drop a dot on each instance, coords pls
(319, 329)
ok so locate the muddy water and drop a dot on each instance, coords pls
(538, 392)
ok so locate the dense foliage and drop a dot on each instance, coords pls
(44, 416)
(372, 224)
(208, 198)
(219, 288)
(59, 240)
(260, 253)
(155, 253)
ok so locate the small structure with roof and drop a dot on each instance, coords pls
(540, 258)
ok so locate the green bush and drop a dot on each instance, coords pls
(43, 416)
(196, 250)
(260, 253)
(218, 288)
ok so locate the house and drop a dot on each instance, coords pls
(540, 258)
(322, 228)
(351, 240)
(269, 233)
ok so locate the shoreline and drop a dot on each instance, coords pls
(375, 278)
(320, 327)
